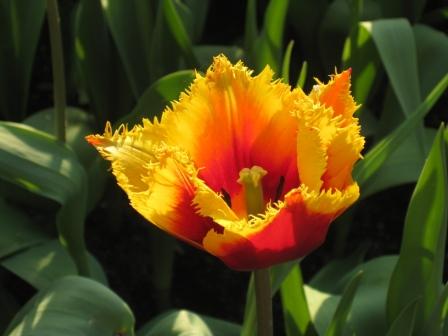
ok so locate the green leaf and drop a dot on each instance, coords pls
(178, 31)
(296, 316)
(340, 316)
(269, 45)
(99, 64)
(435, 323)
(403, 166)
(394, 38)
(287, 62)
(198, 10)
(42, 165)
(432, 52)
(330, 278)
(302, 75)
(423, 244)
(159, 95)
(41, 265)
(184, 322)
(74, 306)
(376, 157)
(368, 316)
(131, 24)
(20, 26)
(17, 230)
(405, 321)
(79, 124)
(250, 29)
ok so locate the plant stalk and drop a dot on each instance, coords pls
(57, 62)
(250, 179)
(263, 300)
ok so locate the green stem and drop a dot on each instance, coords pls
(250, 179)
(57, 62)
(263, 301)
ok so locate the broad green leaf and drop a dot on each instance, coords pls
(287, 62)
(17, 230)
(432, 52)
(339, 320)
(20, 26)
(74, 306)
(423, 245)
(42, 165)
(10, 306)
(184, 322)
(42, 264)
(403, 166)
(405, 321)
(393, 39)
(79, 124)
(367, 316)
(376, 157)
(159, 95)
(330, 278)
(99, 64)
(131, 24)
(269, 45)
(296, 316)
(278, 274)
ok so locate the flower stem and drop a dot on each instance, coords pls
(263, 302)
(57, 62)
(250, 179)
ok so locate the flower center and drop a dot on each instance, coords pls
(250, 179)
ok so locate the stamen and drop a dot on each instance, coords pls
(250, 179)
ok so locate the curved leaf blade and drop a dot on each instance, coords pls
(424, 237)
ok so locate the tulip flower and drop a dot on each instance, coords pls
(243, 166)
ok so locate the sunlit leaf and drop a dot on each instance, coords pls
(184, 322)
(287, 62)
(339, 320)
(74, 306)
(294, 305)
(43, 264)
(423, 245)
(42, 165)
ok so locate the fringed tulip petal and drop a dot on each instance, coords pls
(242, 166)
(157, 179)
